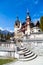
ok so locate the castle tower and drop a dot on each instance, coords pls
(28, 21)
(17, 27)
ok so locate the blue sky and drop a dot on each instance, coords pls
(9, 9)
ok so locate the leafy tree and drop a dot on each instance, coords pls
(5, 37)
(1, 36)
(8, 36)
(41, 23)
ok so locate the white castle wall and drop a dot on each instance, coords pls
(28, 30)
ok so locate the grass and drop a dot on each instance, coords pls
(4, 61)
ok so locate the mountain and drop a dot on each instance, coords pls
(5, 32)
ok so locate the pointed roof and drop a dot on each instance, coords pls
(17, 20)
(28, 16)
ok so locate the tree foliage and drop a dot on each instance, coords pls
(1, 36)
(8, 36)
(41, 23)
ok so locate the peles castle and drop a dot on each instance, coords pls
(29, 41)
(25, 28)
(29, 36)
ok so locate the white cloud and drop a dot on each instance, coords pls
(6, 29)
(11, 30)
(1, 28)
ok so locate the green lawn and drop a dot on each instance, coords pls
(4, 61)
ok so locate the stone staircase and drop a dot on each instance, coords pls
(26, 54)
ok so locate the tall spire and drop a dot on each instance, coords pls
(28, 16)
(27, 11)
(17, 22)
(17, 18)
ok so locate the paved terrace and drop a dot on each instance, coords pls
(37, 61)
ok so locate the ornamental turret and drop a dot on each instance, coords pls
(28, 18)
(17, 27)
(28, 21)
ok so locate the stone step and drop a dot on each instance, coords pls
(26, 51)
(28, 59)
(26, 54)
(22, 51)
(29, 55)
(23, 48)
